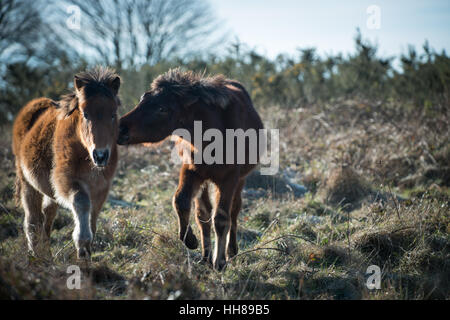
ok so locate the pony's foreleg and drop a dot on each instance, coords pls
(77, 199)
(74, 195)
(203, 209)
(187, 187)
(82, 234)
(222, 220)
(232, 245)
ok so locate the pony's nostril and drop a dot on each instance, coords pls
(100, 156)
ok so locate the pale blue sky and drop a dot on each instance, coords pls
(276, 26)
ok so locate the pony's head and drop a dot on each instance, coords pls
(169, 105)
(95, 102)
(154, 118)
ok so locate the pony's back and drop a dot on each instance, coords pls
(27, 118)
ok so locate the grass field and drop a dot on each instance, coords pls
(378, 194)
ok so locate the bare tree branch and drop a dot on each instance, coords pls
(134, 32)
(27, 33)
(19, 24)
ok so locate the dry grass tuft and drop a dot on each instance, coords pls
(346, 188)
(382, 247)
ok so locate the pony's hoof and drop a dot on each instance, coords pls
(219, 265)
(84, 254)
(206, 261)
(190, 240)
(231, 254)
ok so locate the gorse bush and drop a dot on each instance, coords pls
(425, 79)
(421, 81)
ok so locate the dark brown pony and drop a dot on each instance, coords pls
(175, 101)
(66, 155)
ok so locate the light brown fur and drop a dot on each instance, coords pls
(54, 146)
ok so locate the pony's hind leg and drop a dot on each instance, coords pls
(49, 208)
(203, 209)
(232, 246)
(34, 219)
(222, 220)
(187, 188)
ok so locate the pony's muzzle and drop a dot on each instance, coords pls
(100, 157)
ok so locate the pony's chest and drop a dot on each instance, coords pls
(98, 183)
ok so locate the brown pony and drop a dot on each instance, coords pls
(66, 155)
(175, 101)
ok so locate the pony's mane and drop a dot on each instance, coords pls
(96, 81)
(68, 101)
(210, 89)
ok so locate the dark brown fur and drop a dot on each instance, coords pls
(61, 159)
(175, 101)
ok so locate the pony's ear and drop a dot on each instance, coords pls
(114, 84)
(78, 83)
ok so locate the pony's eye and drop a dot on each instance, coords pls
(162, 111)
(85, 115)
